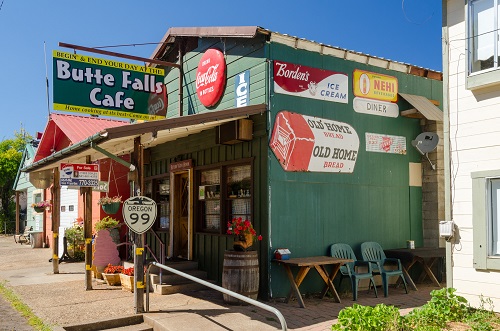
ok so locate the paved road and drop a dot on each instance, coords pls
(11, 319)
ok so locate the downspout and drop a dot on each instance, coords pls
(446, 133)
(112, 156)
(181, 75)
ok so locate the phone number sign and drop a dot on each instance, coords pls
(139, 213)
(82, 175)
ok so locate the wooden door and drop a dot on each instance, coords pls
(181, 234)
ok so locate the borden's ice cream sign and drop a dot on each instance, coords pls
(211, 77)
(310, 82)
(306, 143)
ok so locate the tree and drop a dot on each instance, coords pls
(11, 152)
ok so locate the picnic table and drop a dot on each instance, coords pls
(307, 263)
(425, 256)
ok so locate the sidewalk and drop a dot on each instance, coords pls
(61, 299)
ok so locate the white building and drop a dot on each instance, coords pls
(471, 70)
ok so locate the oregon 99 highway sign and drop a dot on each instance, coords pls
(139, 213)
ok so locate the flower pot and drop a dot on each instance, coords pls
(112, 279)
(240, 274)
(243, 242)
(39, 209)
(127, 282)
(111, 208)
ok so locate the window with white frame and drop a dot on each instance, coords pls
(486, 219)
(494, 217)
(483, 35)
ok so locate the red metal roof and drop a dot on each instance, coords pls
(63, 130)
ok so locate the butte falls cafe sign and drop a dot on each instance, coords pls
(307, 82)
(96, 86)
(306, 143)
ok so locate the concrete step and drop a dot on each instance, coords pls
(180, 288)
(130, 323)
(135, 327)
(173, 279)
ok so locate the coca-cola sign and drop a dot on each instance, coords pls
(308, 82)
(211, 77)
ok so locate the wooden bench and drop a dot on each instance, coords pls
(23, 238)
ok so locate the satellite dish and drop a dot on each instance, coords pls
(426, 142)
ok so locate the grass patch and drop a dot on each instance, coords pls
(33, 320)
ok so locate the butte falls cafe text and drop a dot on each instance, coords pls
(95, 76)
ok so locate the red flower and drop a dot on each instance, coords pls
(239, 226)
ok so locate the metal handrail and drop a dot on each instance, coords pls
(215, 287)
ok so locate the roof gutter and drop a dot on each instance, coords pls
(73, 149)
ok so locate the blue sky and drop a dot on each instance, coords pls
(407, 31)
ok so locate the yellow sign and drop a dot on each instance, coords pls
(375, 86)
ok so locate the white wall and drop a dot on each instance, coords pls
(475, 146)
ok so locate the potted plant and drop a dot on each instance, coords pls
(240, 271)
(112, 274)
(110, 205)
(41, 206)
(127, 279)
(106, 238)
(245, 233)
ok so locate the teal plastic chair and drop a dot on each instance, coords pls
(344, 251)
(373, 252)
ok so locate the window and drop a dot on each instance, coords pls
(486, 219)
(71, 208)
(159, 190)
(224, 193)
(483, 35)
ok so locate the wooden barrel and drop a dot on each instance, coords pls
(240, 274)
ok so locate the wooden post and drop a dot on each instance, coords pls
(87, 232)
(56, 207)
(139, 239)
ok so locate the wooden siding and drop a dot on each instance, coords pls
(309, 211)
(209, 248)
(475, 146)
(240, 56)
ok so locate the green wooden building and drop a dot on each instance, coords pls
(379, 199)
(311, 143)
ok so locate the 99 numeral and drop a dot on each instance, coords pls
(135, 218)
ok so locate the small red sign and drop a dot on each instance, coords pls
(211, 77)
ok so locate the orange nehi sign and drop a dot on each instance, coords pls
(375, 86)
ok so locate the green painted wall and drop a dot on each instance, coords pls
(209, 248)
(305, 212)
(309, 211)
(241, 55)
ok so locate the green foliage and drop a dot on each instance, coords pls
(10, 159)
(444, 307)
(436, 315)
(107, 222)
(76, 241)
(364, 318)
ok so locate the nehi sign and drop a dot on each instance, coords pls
(96, 86)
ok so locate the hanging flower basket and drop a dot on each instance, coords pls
(39, 209)
(111, 208)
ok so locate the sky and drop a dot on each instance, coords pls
(407, 31)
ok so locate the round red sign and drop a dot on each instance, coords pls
(211, 77)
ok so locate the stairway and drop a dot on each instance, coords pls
(172, 283)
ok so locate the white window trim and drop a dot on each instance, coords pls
(480, 220)
(478, 79)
